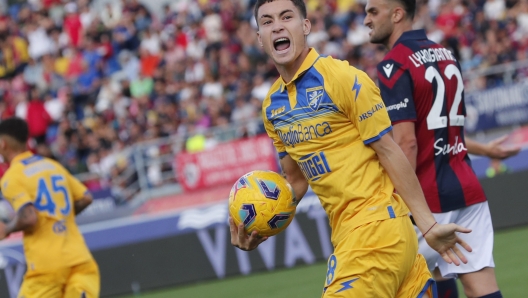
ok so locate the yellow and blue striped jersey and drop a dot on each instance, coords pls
(324, 119)
(55, 242)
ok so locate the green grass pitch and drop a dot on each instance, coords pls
(307, 281)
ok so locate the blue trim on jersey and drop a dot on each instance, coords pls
(381, 134)
(430, 283)
(296, 115)
(278, 101)
(391, 212)
(283, 154)
(31, 159)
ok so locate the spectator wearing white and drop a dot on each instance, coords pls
(495, 9)
(212, 88)
(108, 93)
(212, 23)
(260, 87)
(196, 48)
(54, 107)
(242, 113)
(111, 14)
(357, 34)
(318, 35)
(521, 9)
(87, 16)
(39, 42)
(151, 41)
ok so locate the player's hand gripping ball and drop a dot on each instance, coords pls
(264, 201)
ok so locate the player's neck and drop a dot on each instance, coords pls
(12, 154)
(288, 71)
(397, 33)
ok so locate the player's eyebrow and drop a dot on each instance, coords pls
(281, 14)
(371, 9)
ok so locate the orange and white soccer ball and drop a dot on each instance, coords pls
(264, 201)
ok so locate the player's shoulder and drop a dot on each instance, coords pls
(329, 66)
(340, 72)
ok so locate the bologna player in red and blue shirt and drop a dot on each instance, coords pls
(421, 81)
(422, 87)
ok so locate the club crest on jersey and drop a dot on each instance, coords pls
(314, 96)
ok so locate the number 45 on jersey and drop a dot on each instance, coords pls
(50, 190)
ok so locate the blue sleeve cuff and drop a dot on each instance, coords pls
(381, 134)
(282, 154)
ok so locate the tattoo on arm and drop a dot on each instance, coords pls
(23, 220)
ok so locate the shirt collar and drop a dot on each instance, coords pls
(307, 63)
(22, 156)
(412, 35)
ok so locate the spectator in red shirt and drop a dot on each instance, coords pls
(72, 24)
(38, 118)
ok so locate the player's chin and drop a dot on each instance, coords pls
(374, 39)
(282, 60)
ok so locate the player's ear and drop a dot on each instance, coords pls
(307, 27)
(398, 15)
(259, 38)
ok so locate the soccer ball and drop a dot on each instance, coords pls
(263, 201)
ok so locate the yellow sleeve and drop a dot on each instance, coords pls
(15, 193)
(78, 190)
(277, 142)
(363, 105)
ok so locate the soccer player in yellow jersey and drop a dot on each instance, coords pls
(332, 131)
(46, 199)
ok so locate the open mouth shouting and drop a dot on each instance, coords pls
(281, 45)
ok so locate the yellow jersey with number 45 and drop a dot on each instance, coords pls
(325, 118)
(55, 242)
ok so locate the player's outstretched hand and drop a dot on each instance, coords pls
(443, 239)
(496, 149)
(240, 239)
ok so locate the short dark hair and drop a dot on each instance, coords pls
(298, 3)
(409, 6)
(15, 128)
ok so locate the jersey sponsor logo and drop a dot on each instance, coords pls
(300, 133)
(400, 105)
(445, 149)
(314, 96)
(388, 69)
(278, 111)
(421, 57)
(370, 112)
(314, 166)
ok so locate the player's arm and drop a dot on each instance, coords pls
(81, 196)
(82, 203)
(494, 149)
(442, 238)
(405, 136)
(25, 219)
(295, 177)
(397, 93)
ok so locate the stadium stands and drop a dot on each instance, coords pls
(121, 85)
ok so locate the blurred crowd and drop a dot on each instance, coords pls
(95, 77)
